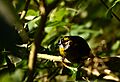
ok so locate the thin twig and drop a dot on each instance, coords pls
(23, 14)
(52, 6)
(111, 12)
(36, 2)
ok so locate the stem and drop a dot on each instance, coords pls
(112, 11)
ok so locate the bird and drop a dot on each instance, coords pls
(74, 48)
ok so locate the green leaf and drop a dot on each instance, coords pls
(52, 34)
(49, 1)
(33, 23)
(15, 77)
(57, 14)
(18, 75)
(116, 45)
(32, 12)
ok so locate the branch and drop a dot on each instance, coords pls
(44, 11)
(23, 14)
(112, 11)
(37, 42)
(57, 59)
(51, 58)
(36, 2)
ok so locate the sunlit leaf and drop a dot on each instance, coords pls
(32, 12)
(57, 15)
(33, 23)
(116, 45)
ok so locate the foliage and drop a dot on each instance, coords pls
(95, 21)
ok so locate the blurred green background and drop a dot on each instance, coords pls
(90, 19)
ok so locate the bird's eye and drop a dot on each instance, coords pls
(67, 44)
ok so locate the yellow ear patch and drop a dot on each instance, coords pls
(66, 38)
